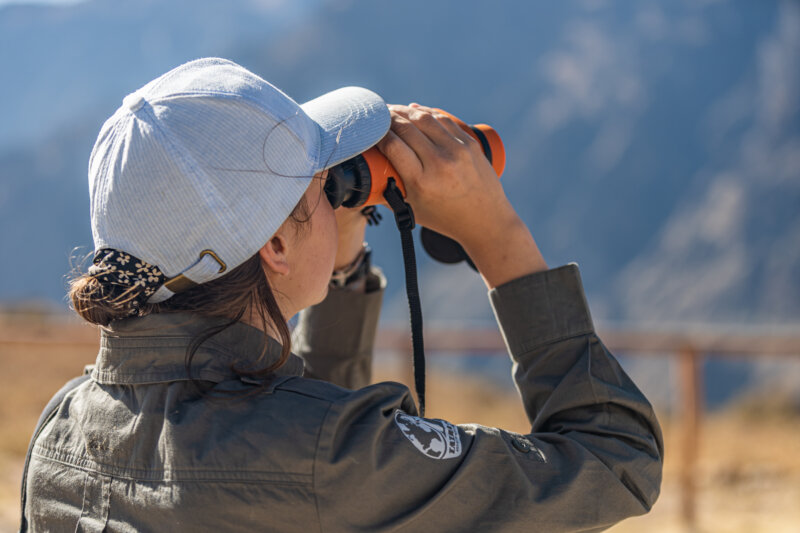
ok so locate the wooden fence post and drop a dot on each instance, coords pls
(690, 373)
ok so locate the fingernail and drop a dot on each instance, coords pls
(413, 104)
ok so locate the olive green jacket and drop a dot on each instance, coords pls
(137, 448)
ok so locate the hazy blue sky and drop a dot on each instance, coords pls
(5, 2)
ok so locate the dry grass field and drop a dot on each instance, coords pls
(748, 475)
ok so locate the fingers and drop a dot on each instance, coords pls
(427, 123)
(401, 155)
(449, 124)
(410, 133)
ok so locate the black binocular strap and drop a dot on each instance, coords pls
(404, 217)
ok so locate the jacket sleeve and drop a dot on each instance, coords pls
(336, 337)
(593, 455)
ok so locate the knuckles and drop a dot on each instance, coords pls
(401, 125)
(421, 119)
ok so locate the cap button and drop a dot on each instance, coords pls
(134, 102)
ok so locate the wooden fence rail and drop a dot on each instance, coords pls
(689, 346)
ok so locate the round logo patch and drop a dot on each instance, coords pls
(435, 438)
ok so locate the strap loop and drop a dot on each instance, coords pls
(403, 214)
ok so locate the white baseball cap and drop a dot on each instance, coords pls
(198, 169)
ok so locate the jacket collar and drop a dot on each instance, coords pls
(152, 349)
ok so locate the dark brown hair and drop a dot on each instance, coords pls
(244, 289)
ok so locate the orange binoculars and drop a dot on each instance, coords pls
(361, 180)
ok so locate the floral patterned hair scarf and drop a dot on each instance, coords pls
(125, 277)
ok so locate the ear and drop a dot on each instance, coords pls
(274, 254)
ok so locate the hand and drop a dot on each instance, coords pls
(454, 190)
(450, 183)
(352, 225)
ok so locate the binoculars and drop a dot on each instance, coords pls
(362, 180)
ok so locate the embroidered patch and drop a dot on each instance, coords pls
(435, 438)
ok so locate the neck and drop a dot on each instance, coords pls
(253, 318)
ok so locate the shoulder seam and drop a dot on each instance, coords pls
(291, 385)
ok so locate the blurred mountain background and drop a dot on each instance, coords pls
(655, 143)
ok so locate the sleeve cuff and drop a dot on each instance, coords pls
(541, 308)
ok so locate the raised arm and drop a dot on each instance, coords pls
(592, 457)
(594, 452)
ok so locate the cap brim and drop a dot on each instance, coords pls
(351, 120)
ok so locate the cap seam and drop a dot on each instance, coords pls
(175, 147)
(107, 161)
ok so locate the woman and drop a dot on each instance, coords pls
(211, 228)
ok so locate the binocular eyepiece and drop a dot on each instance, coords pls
(361, 181)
